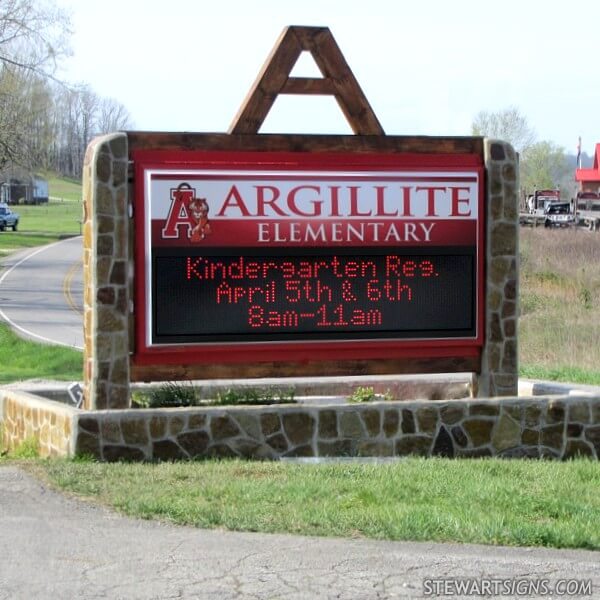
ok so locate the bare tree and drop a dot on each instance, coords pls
(112, 116)
(508, 125)
(25, 125)
(33, 35)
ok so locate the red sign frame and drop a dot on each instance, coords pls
(174, 164)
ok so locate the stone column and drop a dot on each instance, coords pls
(106, 273)
(499, 365)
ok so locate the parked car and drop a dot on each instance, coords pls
(8, 218)
(558, 214)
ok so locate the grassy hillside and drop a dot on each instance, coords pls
(46, 223)
(64, 188)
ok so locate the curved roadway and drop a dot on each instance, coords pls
(41, 293)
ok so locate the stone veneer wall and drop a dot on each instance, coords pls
(106, 264)
(25, 417)
(499, 363)
(556, 427)
(107, 267)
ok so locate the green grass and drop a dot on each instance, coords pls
(46, 223)
(65, 188)
(559, 324)
(517, 503)
(21, 359)
(568, 374)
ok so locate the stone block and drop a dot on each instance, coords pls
(484, 410)
(506, 434)
(195, 443)
(110, 431)
(176, 424)
(87, 444)
(135, 431)
(474, 453)
(504, 236)
(576, 448)
(221, 451)
(452, 413)
(89, 424)
(521, 452)
(391, 420)
(167, 450)
(119, 173)
(579, 412)
(299, 427)
(375, 448)
(197, 421)
(337, 448)
(249, 424)
(414, 444)
(350, 425)
(103, 166)
(443, 445)
(372, 421)
(556, 412)
(118, 147)
(270, 423)
(118, 273)
(223, 427)
(122, 453)
(106, 295)
(497, 151)
(553, 436)
(574, 430)
(459, 436)
(158, 426)
(408, 421)
(304, 450)
(427, 418)
(253, 450)
(278, 442)
(530, 437)
(532, 415)
(479, 431)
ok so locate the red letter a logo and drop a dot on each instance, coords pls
(179, 212)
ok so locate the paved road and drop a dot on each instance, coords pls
(41, 293)
(53, 546)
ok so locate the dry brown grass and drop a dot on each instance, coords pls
(559, 326)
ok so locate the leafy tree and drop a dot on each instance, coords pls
(543, 165)
(508, 125)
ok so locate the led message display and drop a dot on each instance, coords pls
(289, 248)
(250, 297)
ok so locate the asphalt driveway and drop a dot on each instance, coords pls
(53, 546)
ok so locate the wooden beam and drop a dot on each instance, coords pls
(309, 85)
(304, 369)
(158, 140)
(338, 81)
(268, 84)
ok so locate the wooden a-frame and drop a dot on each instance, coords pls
(338, 81)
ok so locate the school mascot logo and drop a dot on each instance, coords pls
(187, 211)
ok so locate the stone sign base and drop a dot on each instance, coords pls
(558, 427)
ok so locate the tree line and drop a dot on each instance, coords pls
(542, 164)
(45, 123)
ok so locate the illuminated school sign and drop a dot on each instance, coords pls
(279, 254)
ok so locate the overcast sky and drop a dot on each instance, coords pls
(427, 67)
